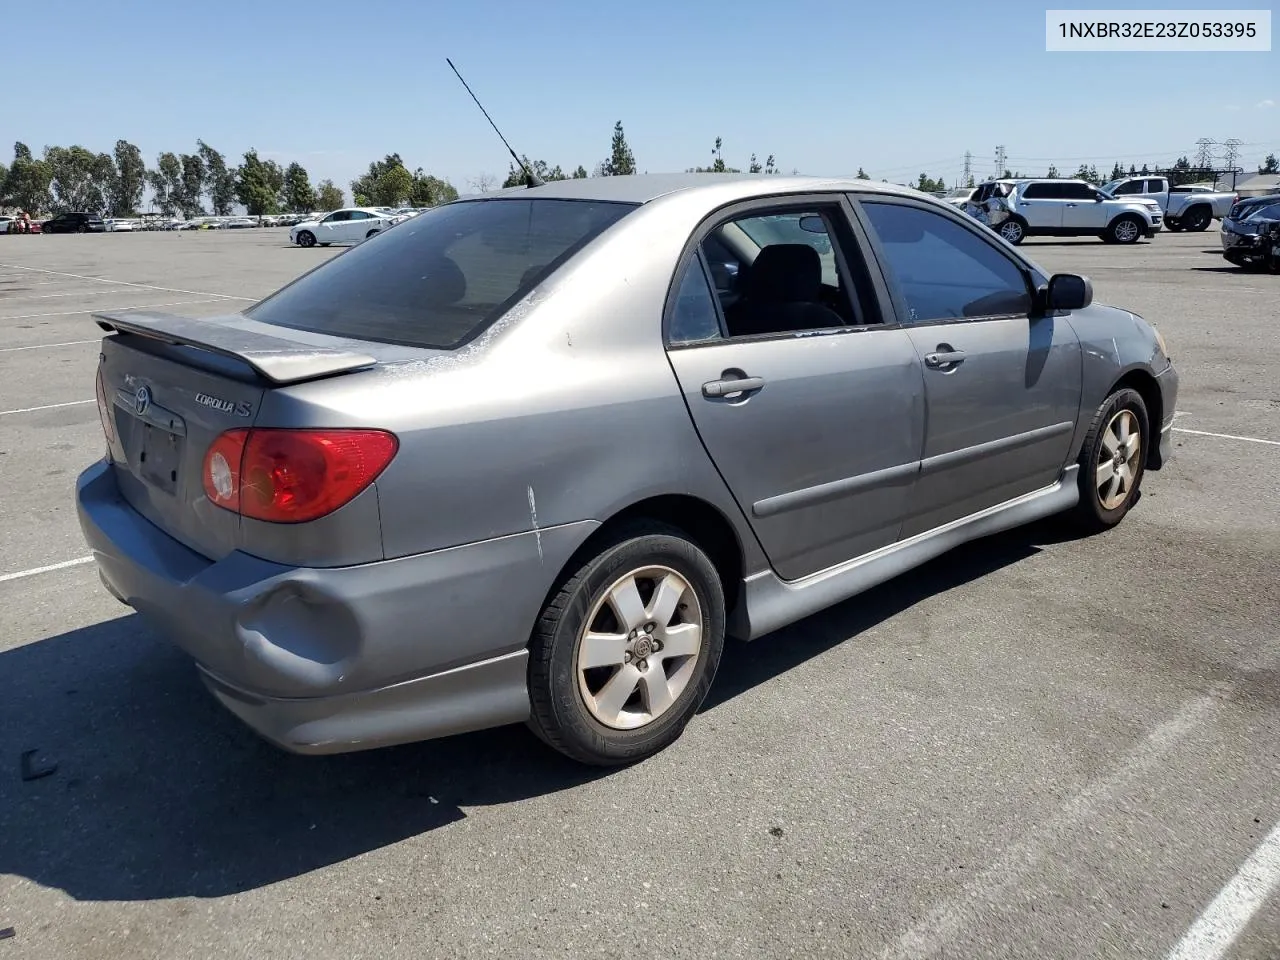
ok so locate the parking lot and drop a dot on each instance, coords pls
(1032, 747)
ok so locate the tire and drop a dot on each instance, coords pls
(306, 239)
(1126, 229)
(82, 229)
(569, 709)
(1014, 230)
(1095, 513)
(371, 233)
(1197, 220)
(1173, 226)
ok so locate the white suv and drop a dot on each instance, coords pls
(1074, 208)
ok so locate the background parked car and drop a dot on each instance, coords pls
(1074, 208)
(1184, 207)
(1245, 231)
(349, 225)
(74, 223)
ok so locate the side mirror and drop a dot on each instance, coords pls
(813, 224)
(1068, 291)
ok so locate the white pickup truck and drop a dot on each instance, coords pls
(1185, 207)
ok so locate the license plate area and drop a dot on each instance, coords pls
(159, 457)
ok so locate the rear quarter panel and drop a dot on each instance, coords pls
(566, 410)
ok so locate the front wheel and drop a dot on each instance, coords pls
(625, 651)
(371, 233)
(1013, 230)
(1112, 461)
(306, 239)
(1125, 230)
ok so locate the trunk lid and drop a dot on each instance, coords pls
(170, 385)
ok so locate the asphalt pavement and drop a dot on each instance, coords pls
(1033, 747)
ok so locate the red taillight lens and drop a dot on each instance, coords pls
(291, 476)
(104, 408)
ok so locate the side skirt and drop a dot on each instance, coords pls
(769, 603)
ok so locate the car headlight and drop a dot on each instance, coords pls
(1164, 350)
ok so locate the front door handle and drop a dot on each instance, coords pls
(722, 388)
(944, 358)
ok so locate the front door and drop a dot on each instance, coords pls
(332, 229)
(810, 408)
(1002, 389)
(1084, 209)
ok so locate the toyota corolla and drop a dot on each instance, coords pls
(531, 457)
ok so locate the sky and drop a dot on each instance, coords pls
(897, 88)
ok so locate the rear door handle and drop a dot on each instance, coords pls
(720, 388)
(944, 358)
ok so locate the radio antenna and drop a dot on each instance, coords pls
(531, 178)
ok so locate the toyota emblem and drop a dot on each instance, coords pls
(142, 400)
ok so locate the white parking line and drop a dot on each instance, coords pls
(123, 283)
(141, 306)
(47, 406)
(1047, 841)
(5, 578)
(1232, 909)
(1227, 436)
(74, 293)
(47, 346)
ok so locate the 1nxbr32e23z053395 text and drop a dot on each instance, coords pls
(1158, 31)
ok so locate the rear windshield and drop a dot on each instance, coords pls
(439, 279)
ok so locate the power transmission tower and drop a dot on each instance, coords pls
(967, 181)
(1204, 157)
(1232, 153)
(1000, 159)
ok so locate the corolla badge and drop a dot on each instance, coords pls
(240, 409)
(142, 400)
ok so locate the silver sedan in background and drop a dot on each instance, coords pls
(532, 456)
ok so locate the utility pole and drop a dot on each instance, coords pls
(1000, 160)
(967, 179)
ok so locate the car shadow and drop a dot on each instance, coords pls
(124, 780)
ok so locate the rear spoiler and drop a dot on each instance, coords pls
(273, 358)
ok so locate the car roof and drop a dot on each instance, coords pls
(644, 187)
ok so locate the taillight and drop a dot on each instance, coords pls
(292, 476)
(104, 408)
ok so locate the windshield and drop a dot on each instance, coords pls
(442, 277)
(1109, 188)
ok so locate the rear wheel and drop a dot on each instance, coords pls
(1126, 229)
(1112, 461)
(371, 233)
(1197, 219)
(306, 239)
(625, 651)
(1013, 230)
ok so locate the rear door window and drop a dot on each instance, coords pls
(440, 279)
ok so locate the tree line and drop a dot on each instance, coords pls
(194, 184)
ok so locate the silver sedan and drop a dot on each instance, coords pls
(532, 457)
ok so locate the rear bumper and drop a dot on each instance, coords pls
(325, 660)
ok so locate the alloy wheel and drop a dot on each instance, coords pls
(638, 648)
(1118, 459)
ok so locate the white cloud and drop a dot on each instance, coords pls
(1263, 104)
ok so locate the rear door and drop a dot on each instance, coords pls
(1041, 205)
(1002, 388)
(808, 404)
